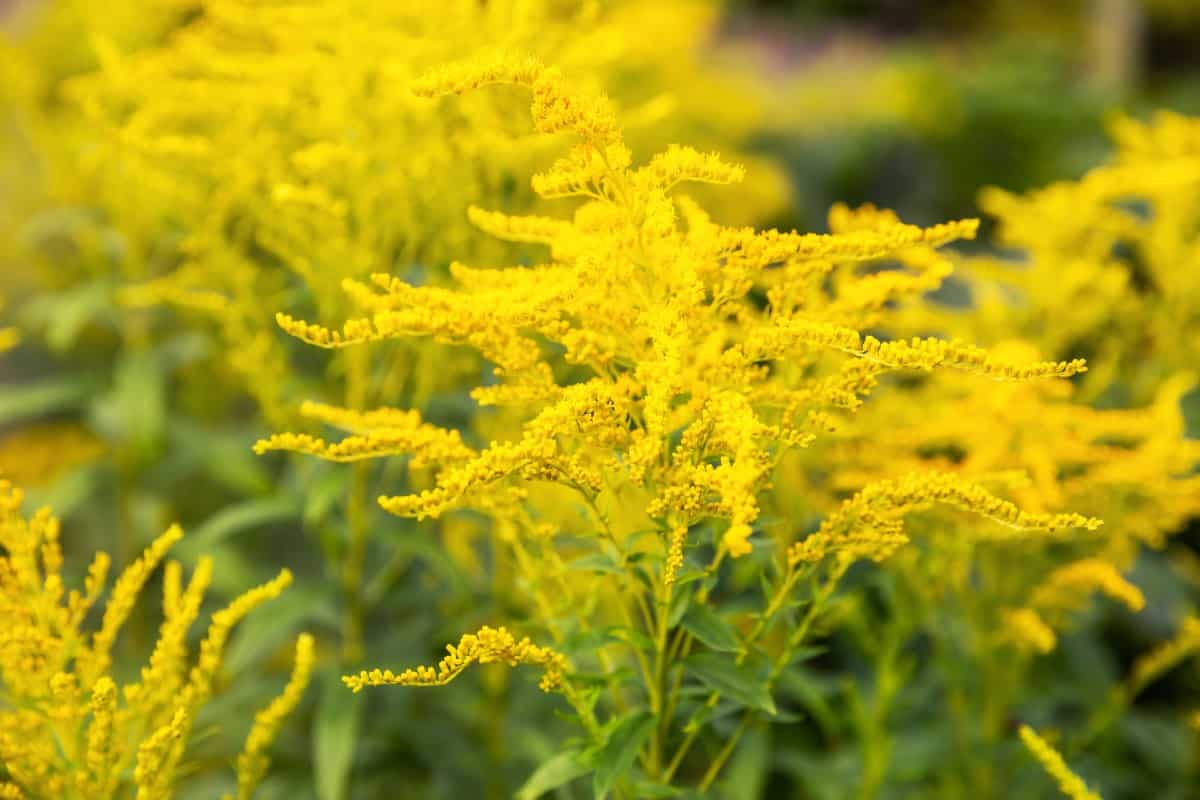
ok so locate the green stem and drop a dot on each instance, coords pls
(714, 768)
(357, 369)
(785, 657)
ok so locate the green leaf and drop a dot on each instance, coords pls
(66, 312)
(237, 518)
(274, 625)
(335, 734)
(617, 756)
(680, 601)
(32, 400)
(322, 493)
(811, 693)
(689, 576)
(595, 562)
(745, 776)
(223, 455)
(744, 683)
(68, 493)
(633, 637)
(712, 629)
(699, 718)
(134, 412)
(645, 790)
(551, 774)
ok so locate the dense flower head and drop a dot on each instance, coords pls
(1069, 783)
(1109, 262)
(660, 370)
(658, 313)
(66, 727)
(245, 154)
(487, 645)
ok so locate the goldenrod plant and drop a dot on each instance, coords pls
(260, 148)
(253, 155)
(593, 483)
(187, 168)
(654, 372)
(68, 729)
(1100, 265)
(1072, 785)
(1107, 262)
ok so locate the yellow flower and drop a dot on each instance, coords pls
(1166, 656)
(253, 762)
(1066, 586)
(1027, 630)
(66, 727)
(870, 523)
(1069, 783)
(488, 645)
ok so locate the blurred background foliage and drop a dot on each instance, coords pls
(126, 417)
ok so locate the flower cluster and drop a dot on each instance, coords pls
(659, 371)
(488, 645)
(66, 727)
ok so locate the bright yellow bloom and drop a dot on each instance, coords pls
(99, 759)
(647, 305)
(377, 433)
(1110, 259)
(155, 762)
(1066, 586)
(1025, 628)
(674, 555)
(66, 727)
(1166, 656)
(870, 524)
(486, 646)
(253, 762)
(1069, 783)
(659, 373)
(120, 604)
(256, 207)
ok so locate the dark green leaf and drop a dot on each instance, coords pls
(801, 684)
(635, 638)
(709, 627)
(745, 776)
(32, 400)
(595, 562)
(689, 576)
(134, 412)
(617, 756)
(275, 624)
(335, 735)
(744, 683)
(552, 773)
(222, 455)
(237, 518)
(322, 493)
(679, 606)
(645, 790)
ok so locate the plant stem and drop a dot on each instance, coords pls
(714, 768)
(357, 367)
